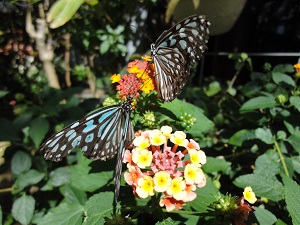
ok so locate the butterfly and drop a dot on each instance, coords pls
(101, 135)
(174, 53)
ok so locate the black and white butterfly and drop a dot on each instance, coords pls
(175, 52)
(101, 135)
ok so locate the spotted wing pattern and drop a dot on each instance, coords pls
(100, 135)
(175, 52)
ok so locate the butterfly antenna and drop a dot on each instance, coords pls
(142, 32)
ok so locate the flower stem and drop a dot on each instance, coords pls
(281, 158)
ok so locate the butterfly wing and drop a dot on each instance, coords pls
(187, 38)
(168, 73)
(127, 137)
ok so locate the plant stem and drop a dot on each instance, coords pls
(281, 158)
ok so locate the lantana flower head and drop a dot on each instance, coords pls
(140, 77)
(166, 163)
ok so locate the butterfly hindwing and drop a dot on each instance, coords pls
(98, 135)
(187, 38)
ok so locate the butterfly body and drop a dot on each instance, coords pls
(101, 135)
(175, 52)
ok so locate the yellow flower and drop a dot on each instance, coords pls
(141, 142)
(193, 174)
(162, 181)
(177, 188)
(142, 158)
(166, 130)
(157, 138)
(178, 138)
(147, 86)
(297, 67)
(115, 78)
(249, 195)
(147, 58)
(197, 156)
(145, 187)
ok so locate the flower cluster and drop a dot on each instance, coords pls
(154, 167)
(297, 68)
(140, 77)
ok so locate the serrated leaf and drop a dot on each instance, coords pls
(262, 185)
(294, 140)
(264, 216)
(73, 194)
(23, 209)
(205, 196)
(82, 179)
(37, 131)
(30, 177)
(64, 214)
(291, 192)
(265, 135)
(168, 221)
(241, 136)
(97, 207)
(268, 162)
(215, 165)
(282, 78)
(176, 107)
(284, 68)
(20, 162)
(261, 102)
(295, 101)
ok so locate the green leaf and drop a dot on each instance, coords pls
(23, 209)
(20, 162)
(1, 215)
(261, 102)
(264, 216)
(267, 162)
(295, 101)
(82, 179)
(282, 78)
(205, 196)
(294, 140)
(62, 11)
(176, 107)
(104, 47)
(97, 207)
(262, 185)
(265, 135)
(64, 214)
(37, 131)
(284, 68)
(213, 88)
(291, 192)
(216, 165)
(30, 177)
(168, 221)
(241, 136)
(73, 194)
(3, 93)
(296, 163)
(57, 178)
(280, 222)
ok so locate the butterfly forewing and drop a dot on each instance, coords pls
(187, 38)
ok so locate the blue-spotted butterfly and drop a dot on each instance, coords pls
(174, 53)
(100, 135)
